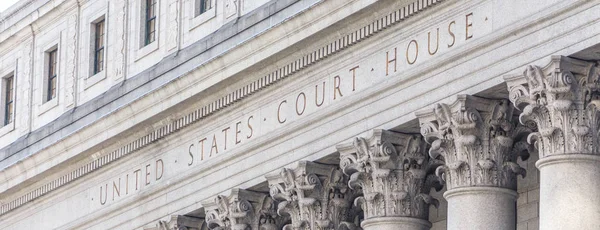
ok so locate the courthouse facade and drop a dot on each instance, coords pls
(300, 114)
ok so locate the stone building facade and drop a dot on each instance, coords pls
(300, 114)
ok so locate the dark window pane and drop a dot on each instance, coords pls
(9, 104)
(51, 75)
(204, 6)
(150, 21)
(99, 48)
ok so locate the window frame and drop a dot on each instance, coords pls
(8, 80)
(10, 73)
(200, 7)
(148, 20)
(9, 89)
(143, 49)
(197, 19)
(51, 72)
(99, 36)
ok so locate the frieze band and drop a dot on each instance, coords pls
(231, 98)
(470, 146)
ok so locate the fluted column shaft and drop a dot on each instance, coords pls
(562, 100)
(480, 142)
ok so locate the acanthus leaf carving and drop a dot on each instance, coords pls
(562, 100)
(393, 172)
(314, 196)
(180, 222)
(478, 140)
(243, 210)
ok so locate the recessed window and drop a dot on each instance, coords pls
(52, 77)
(203, 6)
(150, 21)
(8, 99)
(99, 30)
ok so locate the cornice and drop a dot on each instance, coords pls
(15, 23)
(15, 9)
(229, 99)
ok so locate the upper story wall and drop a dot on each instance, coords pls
(29, 29)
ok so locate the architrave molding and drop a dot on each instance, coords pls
(228, 100)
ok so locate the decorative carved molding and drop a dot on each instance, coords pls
(562, 99)
(71, 75)
(243, 210)
(173, 24)
(231, 8)
(394, 172)
(315, 196)
(227, 100)
(178, 222)
(117, 67)
(24, 95)
(478, 139)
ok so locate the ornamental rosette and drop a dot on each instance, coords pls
(479, 140)
(562, 100)
(243, 210)
(314, 196)
(394, 173)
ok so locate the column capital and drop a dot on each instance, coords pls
(562, 100)
(315, 196)
(242, 210)
(180, 222)
(478, 140)
(394, 172)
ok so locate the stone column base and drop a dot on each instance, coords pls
(569, 192)
(395, 223)
(476, 208)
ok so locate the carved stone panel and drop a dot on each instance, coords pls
(231, 8)
(71, 64)
(562, 99)
(478, 139)
(394, 172)
(315, 196)
(173, 24)
(25, 84)
(117, 70)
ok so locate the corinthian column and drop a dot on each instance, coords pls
(315, 196)
(562, 99)
(179, 222)
(243, 210)
(479, 141)
(392, 169)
